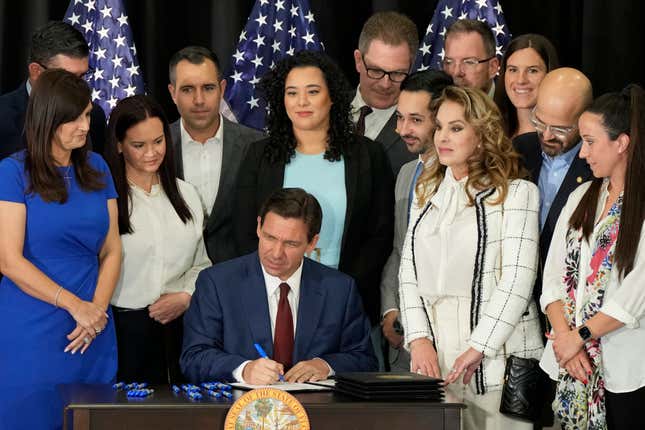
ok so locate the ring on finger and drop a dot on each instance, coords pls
(97, 330)
(86, 340)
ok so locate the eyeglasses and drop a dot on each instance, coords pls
(468, 63)
(87, 75)
(561, 132)
(374, 73)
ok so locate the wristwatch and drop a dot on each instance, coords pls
(585, 333)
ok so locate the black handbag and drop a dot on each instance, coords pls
(525, 386)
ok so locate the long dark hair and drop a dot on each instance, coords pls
(282, 143)
(57, 97)
(547, 53)
(128, 113)
(621, 113)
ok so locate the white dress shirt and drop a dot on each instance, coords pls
(376, 120)
(203, 164)
(622, 349)
(162, 255)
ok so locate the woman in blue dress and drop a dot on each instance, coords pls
(60, 254)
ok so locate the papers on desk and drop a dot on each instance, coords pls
(323, 385)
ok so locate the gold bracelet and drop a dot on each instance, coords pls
(57, 295)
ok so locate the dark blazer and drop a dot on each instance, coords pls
(369, 219)
(528, 145)
(13, 108)
(394, 146)
(229, 312)
(218, 236)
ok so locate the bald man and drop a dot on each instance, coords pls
(551, 153)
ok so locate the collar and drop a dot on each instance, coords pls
(358, 103)
(28, 86)
(185, 136)
(272, 283)
(567, 157)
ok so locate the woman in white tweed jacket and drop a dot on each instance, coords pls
(470, 259)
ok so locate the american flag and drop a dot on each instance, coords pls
(274, 29)
(114, 70)
(431, 52)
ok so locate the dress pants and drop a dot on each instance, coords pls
(148, 350)
(624, 409)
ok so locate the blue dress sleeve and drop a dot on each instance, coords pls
(99, 164)
(12, 180)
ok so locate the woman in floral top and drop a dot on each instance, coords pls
(594, 277)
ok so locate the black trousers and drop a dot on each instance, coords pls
(147, 350)
(624, 409)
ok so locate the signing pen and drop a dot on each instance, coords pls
(263, 354)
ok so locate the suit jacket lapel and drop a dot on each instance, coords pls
(310, 306)
(388, 137)
(578, 173)
(352, 164)
(229, 149)
(254, 293)
(175, 133)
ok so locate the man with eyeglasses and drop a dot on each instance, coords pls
(55, 45)
(386, 49)
(470, 55)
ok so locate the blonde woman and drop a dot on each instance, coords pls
(469, 260)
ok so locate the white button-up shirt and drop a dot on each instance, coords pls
(203, 164)
(375, 121)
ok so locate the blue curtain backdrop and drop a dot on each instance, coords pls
(603, 38)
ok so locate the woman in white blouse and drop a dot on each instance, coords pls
(594, 277)
(469, 260)
(161, 224)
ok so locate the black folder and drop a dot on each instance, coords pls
(390, 386)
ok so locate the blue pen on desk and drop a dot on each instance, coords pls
(263, 354)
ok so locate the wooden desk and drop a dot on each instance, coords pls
(99, 407)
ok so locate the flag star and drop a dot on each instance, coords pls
(277, 26)
(253, 102)
(272, 64)
(78, 1)
(237, 76)
(498, 8)
(116, 61)
(74, 19)
(123, 20)
(90, 5)
(442, 53)
(423, 67)
(133, 49)
(96, 94)
(482, 19)
(133, 70)
(429, 30)
(114, 81)
(447, 12)
(103, 32)
(259, 41)
(308, 38)
(498, 29)
(87, 26)
(243, 35)
(106, 11)
(98, 74)
(120, 41)
(239, 56)
(100, 53)
(112, 102)
(261, 20)
(129, 91)
(442, 33)
(263, 2)
(498, 50)
(279, 5)
(464, 15)
(310, 17)
(425, 48)
(290, 51)
(255, 80)
(257, 61)
(481, 3)
(292, 31)
(294, 11)
(276, 46)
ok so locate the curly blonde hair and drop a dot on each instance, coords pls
(493, 164)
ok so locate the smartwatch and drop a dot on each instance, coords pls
(585, 333)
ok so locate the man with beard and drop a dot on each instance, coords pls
(415, 125)
(386, 49)
(551, 154)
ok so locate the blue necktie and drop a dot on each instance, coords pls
(417, 173)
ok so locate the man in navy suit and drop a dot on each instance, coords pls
(306, 316)
(55, 45)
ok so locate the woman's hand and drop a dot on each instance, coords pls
(424, 358)
(566, 344)
(579, 367)
(90, 317)
(79, 338)
(467, 362)
(169, 306)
